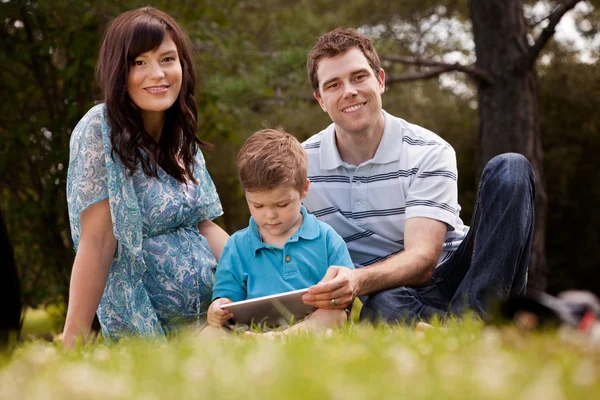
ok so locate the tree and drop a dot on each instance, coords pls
(508, 101)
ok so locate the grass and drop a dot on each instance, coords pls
(464, 361)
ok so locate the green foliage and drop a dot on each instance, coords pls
(570, 124)
(465, 361)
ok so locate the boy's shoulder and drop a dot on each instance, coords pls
(240, 238)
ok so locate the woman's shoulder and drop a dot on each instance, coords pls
(91, 123)
(87, 135)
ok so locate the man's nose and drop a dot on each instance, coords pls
(349, 90)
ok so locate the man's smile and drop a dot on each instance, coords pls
(353, 108)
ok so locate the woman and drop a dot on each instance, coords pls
(140, 198)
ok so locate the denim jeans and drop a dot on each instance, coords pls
(490, 264)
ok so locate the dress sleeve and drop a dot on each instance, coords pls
(86, 176)
(229, 280)
(208, 199)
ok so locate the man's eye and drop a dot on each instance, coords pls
(257, 206)
(282, 205)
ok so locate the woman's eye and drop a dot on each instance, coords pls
(138, 62)
(169, 59)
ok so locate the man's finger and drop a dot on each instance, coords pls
(330, 273)
(329, 286)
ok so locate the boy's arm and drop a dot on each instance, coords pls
(230, 281)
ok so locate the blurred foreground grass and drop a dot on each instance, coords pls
(464, 361)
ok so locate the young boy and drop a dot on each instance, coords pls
(284, 248)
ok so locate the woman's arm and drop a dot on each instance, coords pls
(94, 256)
(214, 235)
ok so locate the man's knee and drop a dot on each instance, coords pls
(400, 304)
(510, 173)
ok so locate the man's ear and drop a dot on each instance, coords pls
(320, 100)
(381, 80)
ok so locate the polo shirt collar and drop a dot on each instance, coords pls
(388, 151)
(309, 230)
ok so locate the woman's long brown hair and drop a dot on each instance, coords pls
(131, 34)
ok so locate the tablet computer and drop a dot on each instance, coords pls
(274, 310)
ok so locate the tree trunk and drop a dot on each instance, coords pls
(508, 108)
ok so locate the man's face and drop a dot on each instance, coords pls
(350, 92)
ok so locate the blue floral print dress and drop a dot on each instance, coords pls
(162, 272)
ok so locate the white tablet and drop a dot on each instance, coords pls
(273, 310)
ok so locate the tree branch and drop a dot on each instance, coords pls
(553, 20)
(432, 73)
(440, 67)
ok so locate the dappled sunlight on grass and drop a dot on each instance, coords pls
(463, 360)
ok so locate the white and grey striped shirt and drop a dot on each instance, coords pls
(413, 174)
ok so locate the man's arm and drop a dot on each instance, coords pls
(423, 240)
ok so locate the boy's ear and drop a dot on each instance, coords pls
(305, 190)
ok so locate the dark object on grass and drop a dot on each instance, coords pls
(10, 290)
(538, 309)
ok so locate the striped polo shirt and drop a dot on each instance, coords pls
(413, 174)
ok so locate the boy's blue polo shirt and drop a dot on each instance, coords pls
(250, 268)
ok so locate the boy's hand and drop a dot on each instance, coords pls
(217, 316)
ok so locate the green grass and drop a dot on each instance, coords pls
(464, 361)
(41, 323)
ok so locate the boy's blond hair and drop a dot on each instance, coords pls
(269, 158)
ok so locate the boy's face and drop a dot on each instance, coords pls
(277, 211)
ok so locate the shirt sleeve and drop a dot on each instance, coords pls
(86, 176)
(208, 199)
(434, 191)
(230, 280)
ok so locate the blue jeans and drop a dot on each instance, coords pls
(490, 264)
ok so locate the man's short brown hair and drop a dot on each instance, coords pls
(336, 42)
(269, 158)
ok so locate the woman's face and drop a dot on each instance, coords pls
(154, 79)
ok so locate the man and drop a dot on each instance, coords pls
(389, 188)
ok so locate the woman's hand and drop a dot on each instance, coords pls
(216, 315)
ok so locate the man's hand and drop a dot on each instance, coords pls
(337, 289)
(217, 316)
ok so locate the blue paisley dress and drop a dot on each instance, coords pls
(162, 273)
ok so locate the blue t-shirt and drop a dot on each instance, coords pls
(249, 268)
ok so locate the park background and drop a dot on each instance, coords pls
(525, 90)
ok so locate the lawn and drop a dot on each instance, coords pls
(462, 361)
